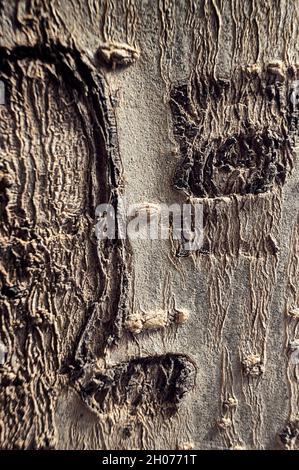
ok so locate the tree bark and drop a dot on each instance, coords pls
(138, 344)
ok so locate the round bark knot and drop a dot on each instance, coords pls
(293, 312)
(117, 54)
(230, 403)
(253, 365)
(224, 423)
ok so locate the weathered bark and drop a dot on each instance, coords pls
(132, 345)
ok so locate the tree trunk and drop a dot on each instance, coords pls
(132, 343)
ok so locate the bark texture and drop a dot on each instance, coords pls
(135, 345)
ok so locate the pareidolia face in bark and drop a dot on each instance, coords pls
(235, 136)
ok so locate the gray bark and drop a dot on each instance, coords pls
(129, 344)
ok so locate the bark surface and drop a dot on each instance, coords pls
(133, 344)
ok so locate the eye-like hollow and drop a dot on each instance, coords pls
(248, 156)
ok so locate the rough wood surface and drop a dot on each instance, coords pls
(133, 345)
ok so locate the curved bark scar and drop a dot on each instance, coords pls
(63, 295)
